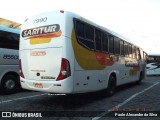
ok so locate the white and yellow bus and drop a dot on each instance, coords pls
(61, 52)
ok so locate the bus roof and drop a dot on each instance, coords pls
(154, 54)
(96, 25)
(9, 30)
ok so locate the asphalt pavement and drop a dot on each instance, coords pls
(132, 98)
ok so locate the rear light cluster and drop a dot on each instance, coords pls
(20, 69)
(65, 70)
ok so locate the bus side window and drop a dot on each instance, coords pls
(130, 50)
(133, 52)
(89, 32)
(111, 43)
(104, 42)
(126, 49)
(80, 29)
(97, 40)
(122, 47)
(138, 54)
(85, 35)
(116, 45)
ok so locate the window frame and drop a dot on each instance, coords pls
(80, 38)
(105, 35)
(111, 51)
(125, 49)
(130, 50)
(116, 40)
(122, 54)
(100, 43)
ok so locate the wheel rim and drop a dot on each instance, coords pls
(9, 84)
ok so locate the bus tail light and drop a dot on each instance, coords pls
(65, 70)
(20, 69)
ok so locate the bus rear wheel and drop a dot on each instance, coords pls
(111, 86)
(9, 84)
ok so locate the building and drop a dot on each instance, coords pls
(9, 23)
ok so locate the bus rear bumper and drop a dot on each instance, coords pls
(63, 86)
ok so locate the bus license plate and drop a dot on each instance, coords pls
(38, 85)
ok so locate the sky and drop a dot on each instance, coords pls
(138, 20)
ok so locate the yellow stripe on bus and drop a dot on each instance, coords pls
(34, 41)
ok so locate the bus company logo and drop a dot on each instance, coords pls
(38, 53)
(40, 31)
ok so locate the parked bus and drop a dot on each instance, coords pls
(61, 52)
(153, 64)
(9, 60)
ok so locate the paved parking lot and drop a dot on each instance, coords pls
(144, 97)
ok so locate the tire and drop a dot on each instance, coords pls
(111, 89)
(10, 84)
(140, 79)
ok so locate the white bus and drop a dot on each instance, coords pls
(61, 52)
(153, 64)
(9, 60)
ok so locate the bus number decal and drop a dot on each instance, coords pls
(38, 53)
(40, 20)
(10, 57)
